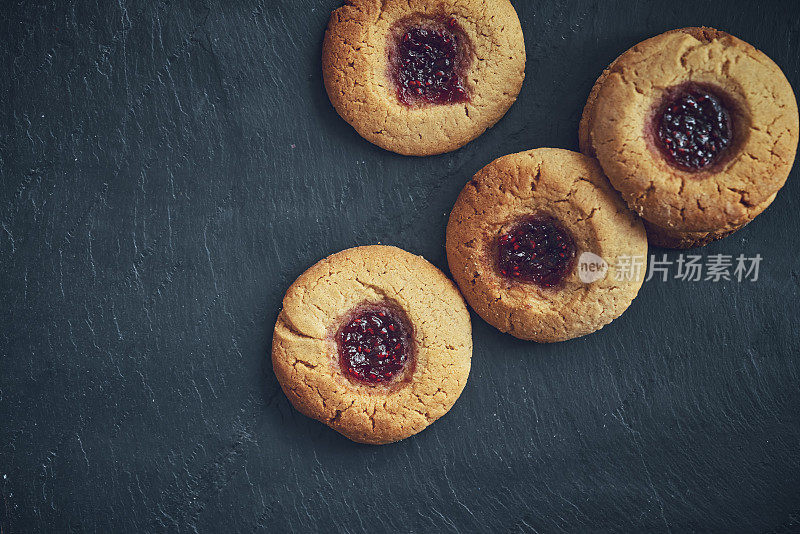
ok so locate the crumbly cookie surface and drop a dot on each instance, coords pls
(304, 352)
(667, 238)
(572, 188)
(355, 65)
(723, 197)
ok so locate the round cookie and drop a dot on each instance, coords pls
(374, 342)
(522, 239)
(697, 130)
(422, 77)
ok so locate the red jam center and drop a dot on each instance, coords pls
(538, 250)
(374, 345)
(694, 128)
(427, 63)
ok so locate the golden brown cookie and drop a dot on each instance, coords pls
(542, 246)
(663, 237)
(373, 341)
(697, 129)
(422, 77)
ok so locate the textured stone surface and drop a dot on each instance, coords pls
(168, 168)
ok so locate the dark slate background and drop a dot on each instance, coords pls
(168, 168)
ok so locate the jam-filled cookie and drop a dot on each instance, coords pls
(373, 341)
(543, 248)
(697, 129)
(422, 77)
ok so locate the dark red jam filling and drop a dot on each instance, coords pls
(538, 250)
(693, 128)
(427, 63)
(374, 345)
